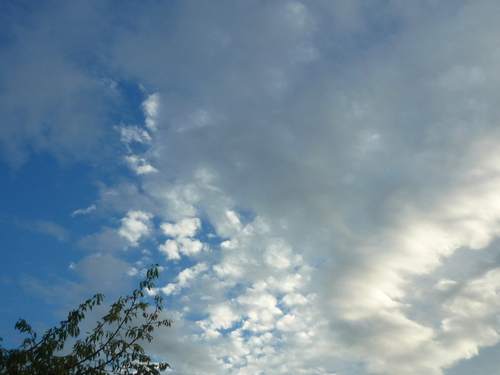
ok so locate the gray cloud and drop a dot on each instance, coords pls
(41, 226)
(51, 101)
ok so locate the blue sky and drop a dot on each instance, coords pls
(318, 180)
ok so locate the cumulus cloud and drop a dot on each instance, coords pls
(135, 224)
(221, 316)
(185, 228)
(182, 242)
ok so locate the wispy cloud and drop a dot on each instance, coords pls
(84, 211)
(38, 226)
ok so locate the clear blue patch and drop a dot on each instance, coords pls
(39, 236)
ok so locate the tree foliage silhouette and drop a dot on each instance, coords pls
(112, 347)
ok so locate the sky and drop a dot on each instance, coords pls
(318, 180)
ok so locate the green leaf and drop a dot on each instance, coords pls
(102, 349)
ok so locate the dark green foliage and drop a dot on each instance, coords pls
(112, 347)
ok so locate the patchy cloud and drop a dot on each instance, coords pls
(151, 108)
(45, 227)
(131, 134)
(135, 225)
(140, 165)
(84, 211)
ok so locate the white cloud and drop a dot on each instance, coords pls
(185, 228)
(181, 231)
(135, 224)
(129, 134)
(189, 246)
(290, 322)
(222, 316)
(170, 249)
(261, 310)
(140, 165)
(294, 299)
(151, 110)
(184, 278)
(186, 246)
(278, 255)
(84, 211)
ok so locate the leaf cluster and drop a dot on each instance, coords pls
(112, 347)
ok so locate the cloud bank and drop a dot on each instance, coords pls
(319, 180)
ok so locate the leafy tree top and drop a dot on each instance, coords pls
(112, 347)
